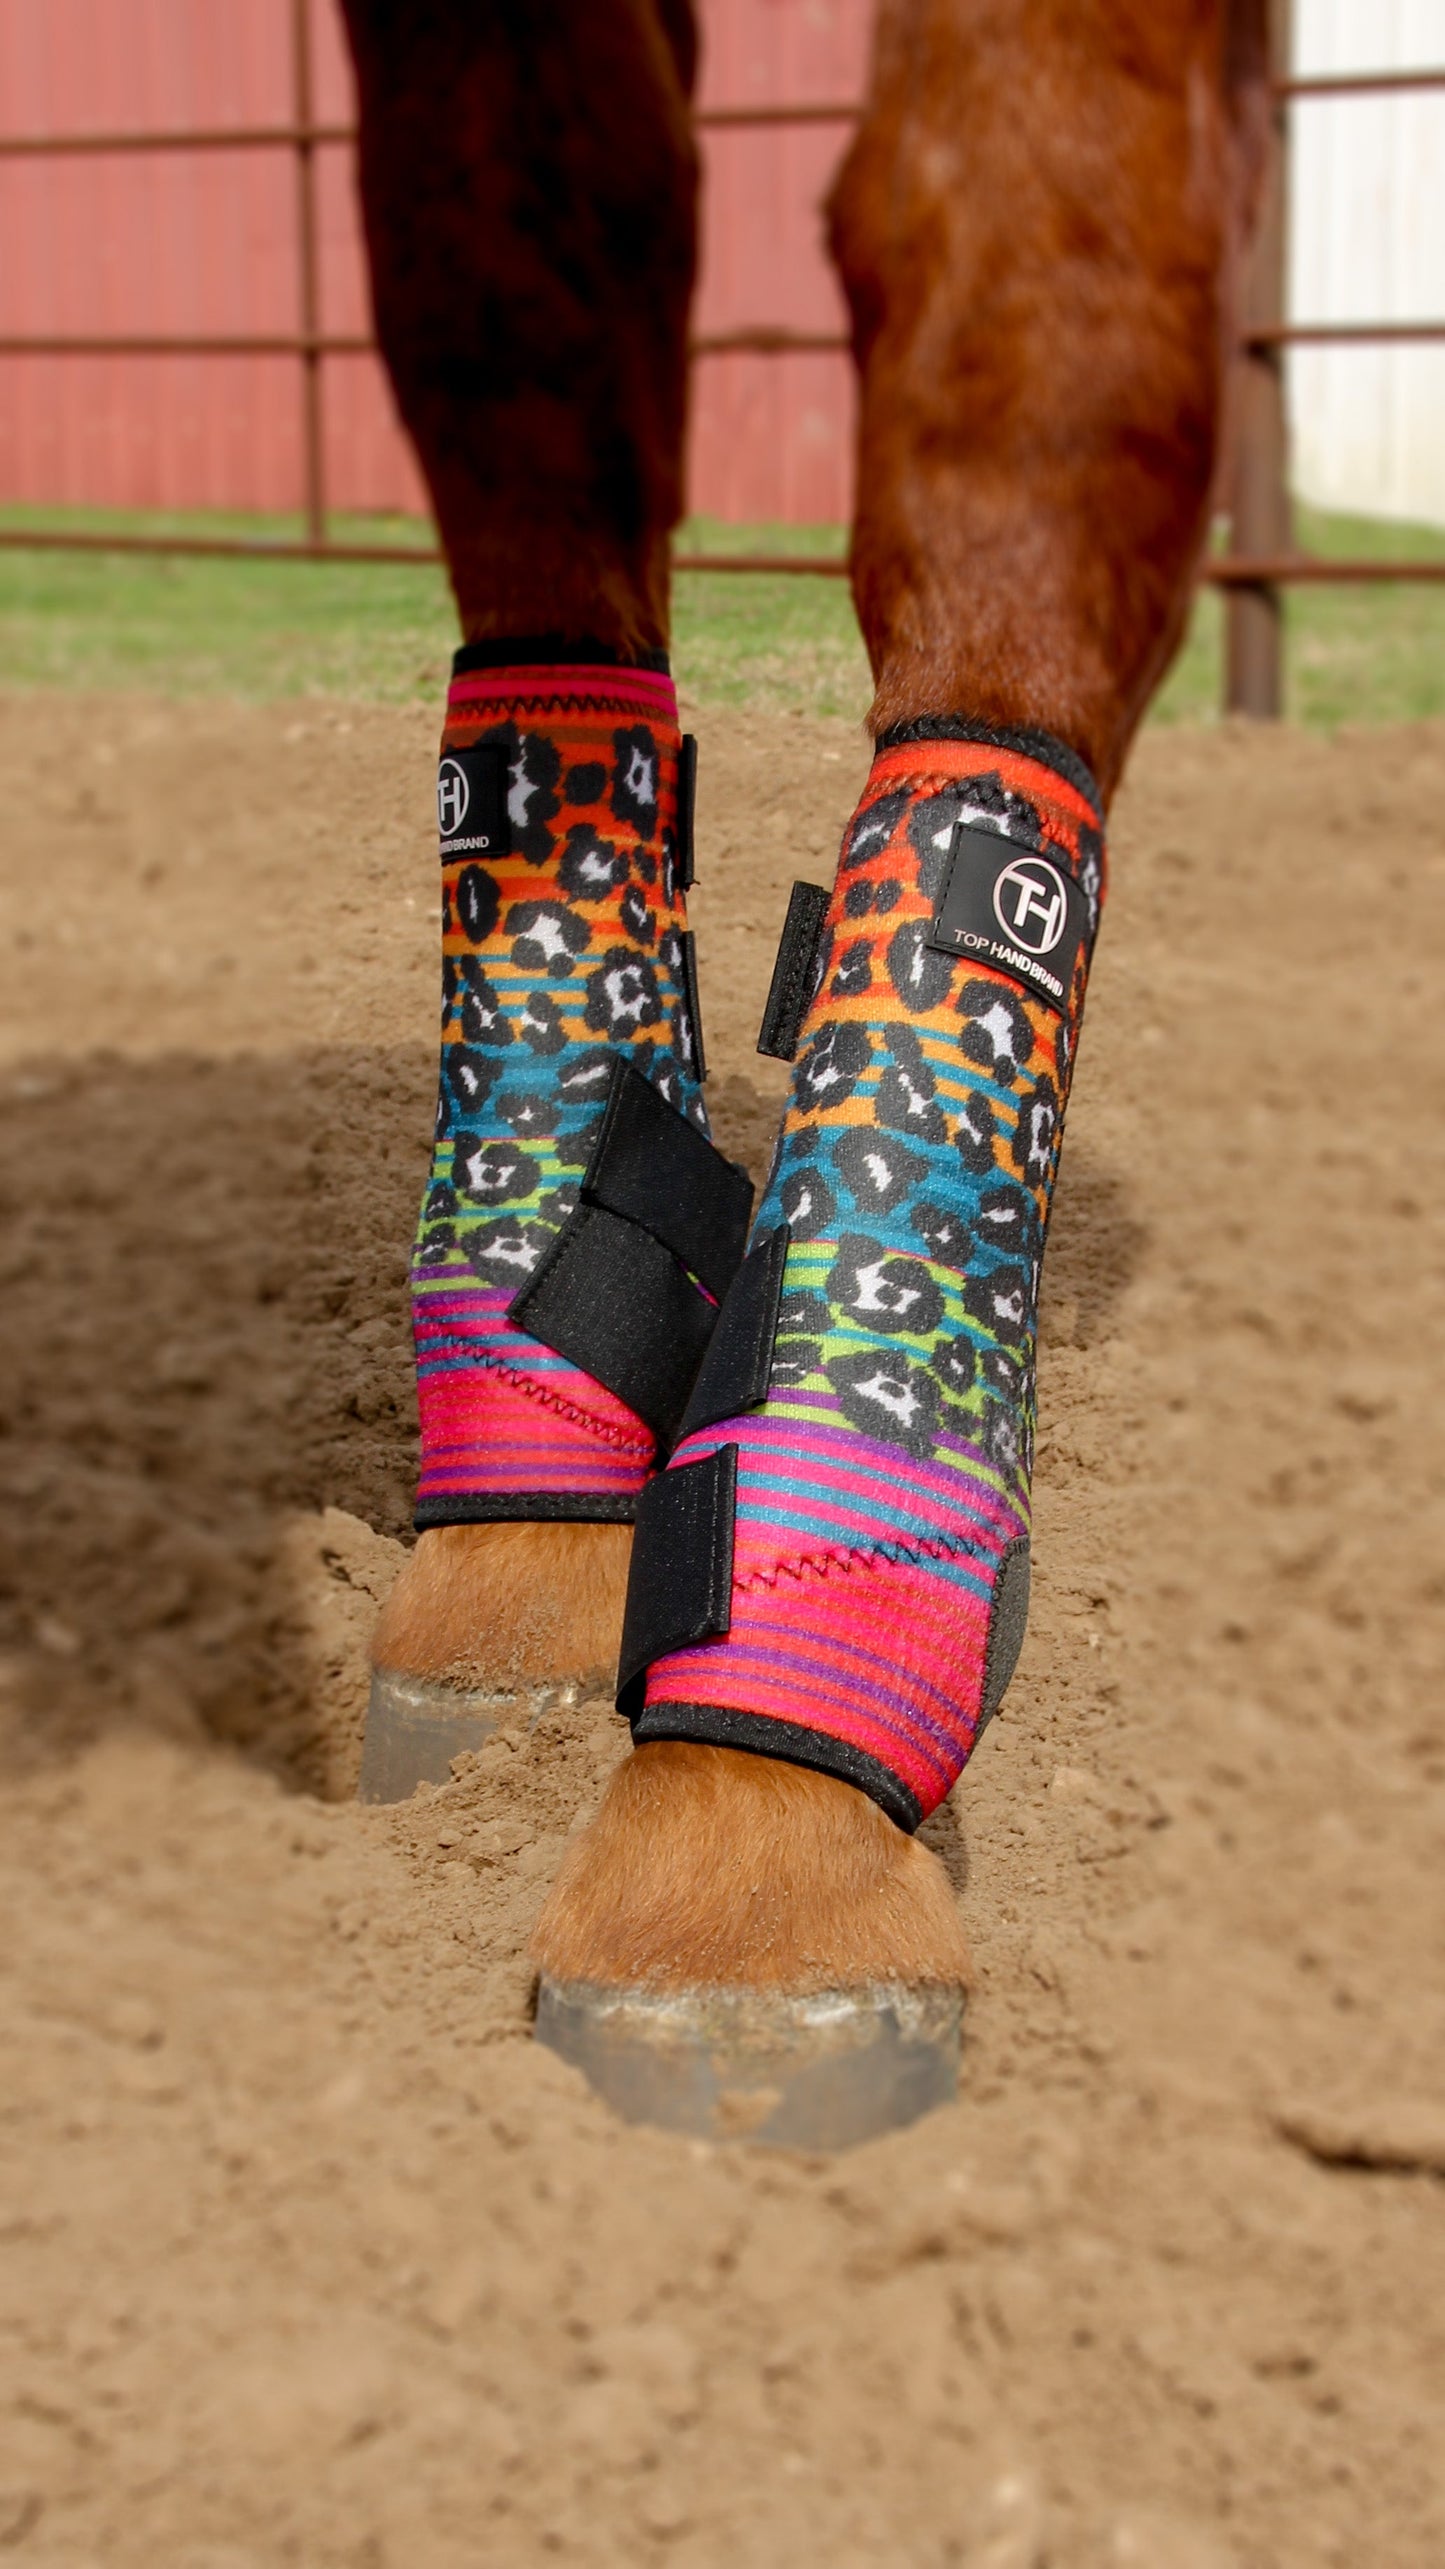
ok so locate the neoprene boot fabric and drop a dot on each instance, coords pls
(878, 1574)
(563, 947)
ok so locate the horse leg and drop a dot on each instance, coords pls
(1037, 228)
(528, 184)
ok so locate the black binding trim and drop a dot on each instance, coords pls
(534, 650)
(612, 1299)
(686, 811)
(738, 1365)
(680, 1588)
(794, 1743)
(652, 1167)
(794, 972)
(567, 1507)
(693, 1003)
(1027, 743)
(1008, 1617)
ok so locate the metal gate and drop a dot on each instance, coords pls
(1262, 560)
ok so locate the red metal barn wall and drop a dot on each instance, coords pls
(190, 242)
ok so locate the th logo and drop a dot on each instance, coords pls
(1031, 905)
(453, 796)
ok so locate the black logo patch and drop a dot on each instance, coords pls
(472, 802)
(1003, 905)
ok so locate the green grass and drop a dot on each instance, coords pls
(180, 626)
(183, 626)
(1367, 655)
(741, 638)
(1352, 655)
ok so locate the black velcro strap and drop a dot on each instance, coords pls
(686, 810)
(680, 1589)
(739, 1359)
(652, 1167)
(794, 972)
(693, 1003)
(612, 1299)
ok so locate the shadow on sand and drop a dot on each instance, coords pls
(207, 1439)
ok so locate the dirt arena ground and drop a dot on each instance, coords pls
(310, 2256)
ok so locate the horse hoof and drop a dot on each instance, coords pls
(415, 1726)
(816, 2072)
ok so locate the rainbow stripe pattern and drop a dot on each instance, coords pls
(886, 1477)
(556, 953)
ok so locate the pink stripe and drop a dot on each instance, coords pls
(485, 1428)
(494, 1357)
(475, 1405)
(449, 1453)
(795, 1685)
(858, 1644)
(884, 1657)
(925, 1778)
(644, 690)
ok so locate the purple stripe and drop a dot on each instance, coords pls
(472, 1358)
(466, 1288)
(993, 1484)
(817, 1517)
(492, 1460)
(485, 1442)
(858, 1453)
(771, 1470)
(818, 1660)
(434, 1342)
(917, 1736)
(892, 1488)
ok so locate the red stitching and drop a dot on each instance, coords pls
(472, 708)
(531, 1389)
(862, 1557)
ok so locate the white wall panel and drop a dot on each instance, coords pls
(1367, 242)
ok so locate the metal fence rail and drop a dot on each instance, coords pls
(1262, 560)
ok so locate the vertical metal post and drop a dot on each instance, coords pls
(1260, 516)
(307, 275)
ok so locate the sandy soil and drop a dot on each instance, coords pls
(310, 2256)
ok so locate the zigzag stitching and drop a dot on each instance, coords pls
(531, 1389)
(862, 1557)
(560, 704)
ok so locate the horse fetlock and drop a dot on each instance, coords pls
(485, 1623)
(745, 1950)
(711, 1868)
(508, 1605)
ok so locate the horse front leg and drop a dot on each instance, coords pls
(1038, 228)
(528, 182)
